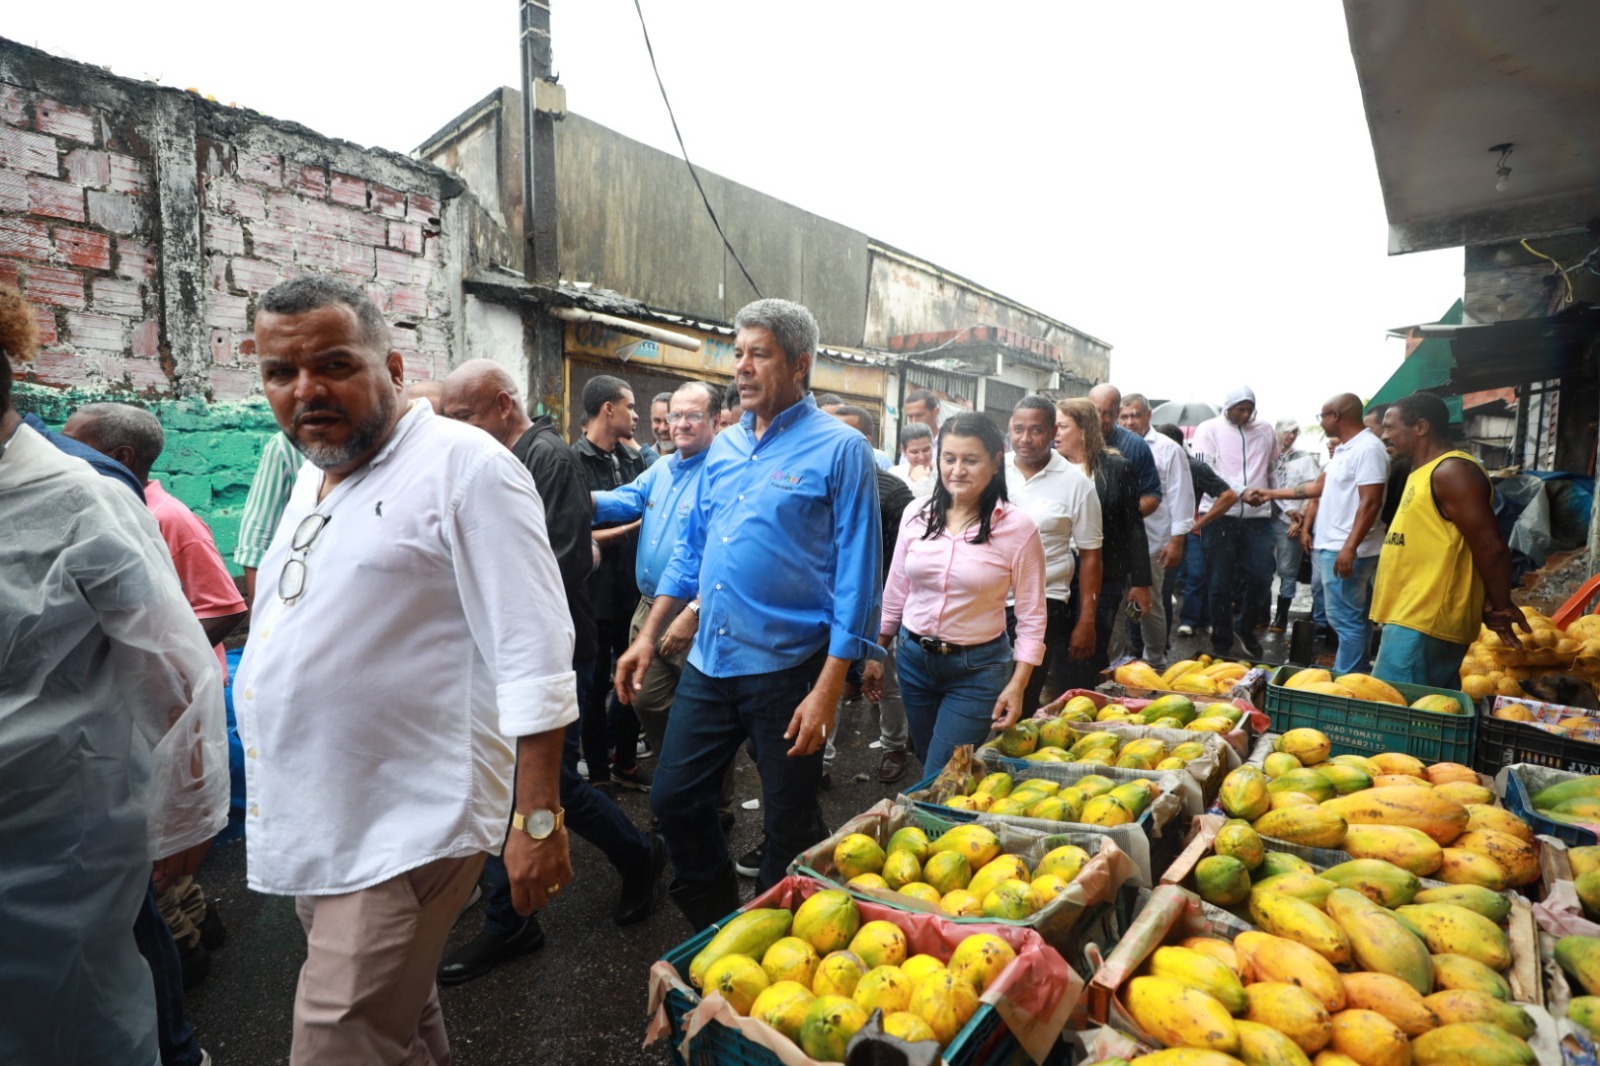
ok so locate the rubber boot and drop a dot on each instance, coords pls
(1280, 621)
(708, 903)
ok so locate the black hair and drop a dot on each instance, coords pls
(862, 415)
(1036, 403)
(601, 390)
(312, 292)
(926, 397)
(1168, 429)
(981, 429)
(1425, 405)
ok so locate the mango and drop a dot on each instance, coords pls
(1408, 848)
(1314, 827)
(1379, 943)
(1195, 970)
(1370, 1038)
(1383, 882)
(1458, 971)
(1494, 906)
(1301, 922)
(1278, 959)
(1290, 1010)
(1179, 1016)
(1453, 930)
(1464, 1005)
(1471, 1044)
(1391, 997)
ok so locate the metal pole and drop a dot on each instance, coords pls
(546, 379)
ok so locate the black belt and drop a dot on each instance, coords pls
(941, 647)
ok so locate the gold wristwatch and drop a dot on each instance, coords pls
(539, 823)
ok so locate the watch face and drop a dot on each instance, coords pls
(540, 823)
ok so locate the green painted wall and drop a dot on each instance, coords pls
(211, 450)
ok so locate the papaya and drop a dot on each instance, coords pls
(1330, 688)
(1095, 785)
(1278, 763)
(1175, 706)
(945, 1001)
(1438, 704)
(1579, 956)
(1370, 1038)
(1408, 848)
(998, 785)
(1585, 1011)
(1195, 970)
(1396, 762)
(1588, 888)
(1399, 781)
(1452, 930)
(783, 1006)
(1582, 859)
(1274, 958)
(1106, 811)
(1180, 1016)
(1020, 739)
(1135, 795)
(1465, 793)
(1345, 779)
(1290, 1010)
(1391, 997)
(1443, 820)
(1464, 1005)
(976, 842)
(1360, 762)
(827, 920)
(979, 959)
(1310, 746)
(1471, 1044)
(739, 979)
(1302, 922)
(1379, 943)
(1518, 858)
(1238, 840)
(1012, 899)
(1182, 1056)
(1218, 949)
(1281, 862)
(1463, 867)
(790, 959)
(1001, 868)
(879, 943)
(1222, 880)
(1291, 799)
(1314, 827)
(1302, 678)
(1483, 816)
(751, 933)
(1065, 861)
(1367, 687)
(1329, 1057)
(1311, 782)
(1441, 773)
(1458, 971)
(828, 1025)
(1575, 788)
(1262, 1045)
(1494, 906)
(1383, 882)
(1309, 887)
(1244, 794)
(1097, 741)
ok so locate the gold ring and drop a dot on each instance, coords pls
(553, 889)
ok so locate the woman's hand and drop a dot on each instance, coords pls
(872, 681)
(1008, 708)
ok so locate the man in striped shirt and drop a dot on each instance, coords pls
(269, 495)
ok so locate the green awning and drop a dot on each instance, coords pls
(1429, 366)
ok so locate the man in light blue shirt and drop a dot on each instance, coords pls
(661, 499)
(783, 553)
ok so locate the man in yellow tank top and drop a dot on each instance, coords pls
(1444, 568)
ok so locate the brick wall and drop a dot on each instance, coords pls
(142, 222)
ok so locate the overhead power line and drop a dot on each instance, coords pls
(685, 150)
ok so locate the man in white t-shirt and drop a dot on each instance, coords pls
(1349, 532)
(1167, 527)
(1062, 501)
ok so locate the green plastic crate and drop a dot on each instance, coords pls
(1363, 727)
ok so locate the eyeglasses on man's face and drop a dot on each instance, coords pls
(292, 582)
(692, 417)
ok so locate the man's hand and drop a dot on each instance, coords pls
(174, 868)
(1140, 595)
(632, 666)
(1504, 621)
(538, 869)
(1296, 524)
(1344, 564)
(872, 681)
(1305, 541)
(813, 720)
(1254, 497)
(1170, 557)
(1081, 646)
(680, 634)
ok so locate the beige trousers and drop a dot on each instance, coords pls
(367, 992)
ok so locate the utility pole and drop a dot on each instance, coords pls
(543, 102)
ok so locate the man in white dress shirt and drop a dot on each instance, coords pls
(1167, 527)
(411, 648)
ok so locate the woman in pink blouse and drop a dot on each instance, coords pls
(958, 559)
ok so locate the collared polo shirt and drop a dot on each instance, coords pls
(1062, 502)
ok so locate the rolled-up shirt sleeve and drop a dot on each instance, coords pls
(1181, 506)
(513, 597)
(857, 530)
(1027, 586)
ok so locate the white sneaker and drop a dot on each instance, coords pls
(642, 749)
(583, 769)
(1186, 631)
(876, 745)
(751, 805)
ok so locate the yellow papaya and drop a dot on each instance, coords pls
(1452, 930)
(1218, 949)
(1292, 1011)
(1301, 922)
(1441, 818)
(1441, 773)
(1465, 793)
(1397, 762)
(1262, 1045)
(1291, 799)
(1346, 779)
(1464, 1005)
(1582, 859)
(1494, 906)
(1458, 971)
(1518, 858)
(1329, 688)
(1379, 942)
(1302, 678)
(1438, 704)
(1383, 882)
(1579, 956)
(1309, 781)
(1463, 867)
(1408, 848)
(1585, 1011)
(1275, 958)
(1370, 1039)
(1185, 1056)
(1314, 827)
(1244, 794)
(1195, 970)
(749, 933)
(1484, 816)
(1391, 997)
(1310, 746)
(1179, 1016)
(1309, 887)
(1471, 1044)
(1367, 687)
(1237, 839)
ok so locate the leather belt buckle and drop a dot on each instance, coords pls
(936, 646)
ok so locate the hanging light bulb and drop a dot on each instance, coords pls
(1502, 173)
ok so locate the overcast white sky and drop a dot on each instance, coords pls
(1192, 183)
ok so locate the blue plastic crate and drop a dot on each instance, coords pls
(1520, 803)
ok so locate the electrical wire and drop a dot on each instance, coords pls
(1552, 260)
(685, 150)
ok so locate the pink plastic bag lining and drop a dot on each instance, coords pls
(1034, 995)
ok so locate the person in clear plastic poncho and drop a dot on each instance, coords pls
(112, 746)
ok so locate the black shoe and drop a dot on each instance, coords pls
(196, 963)
(1252, 646)
(477, 957)
(634, 778)
(827, 781)
(892, 767)
(705, 904)
(1280, 621)
(213, 934)
(641, 895)
(727, 819)
(749, 864)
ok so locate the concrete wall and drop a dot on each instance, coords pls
(143, 221)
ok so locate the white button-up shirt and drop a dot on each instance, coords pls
(1062, 501)
(377, 710)
(1174, 515)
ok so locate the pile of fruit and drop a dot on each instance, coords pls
(1367, 972)
(1054, 741)
(1494, 668)
(1579, 957)
(1586, 879)
(817, 973)
(1051, 739)
(1367, 687)
(962, 872)
(1433, 821)
(1573, 802)
(1204, 676)
(1090, 800)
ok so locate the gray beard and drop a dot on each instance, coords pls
(361, 443)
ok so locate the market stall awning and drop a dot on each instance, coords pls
(1428, 367)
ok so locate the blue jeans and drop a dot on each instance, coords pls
(949, 699)
(1346, 599)
(590, 813)
(1414, 658)
(1194, 613)
(179, 1045)
(1319, 611)
(1287, 551)
(711, 717)
(1239, 565)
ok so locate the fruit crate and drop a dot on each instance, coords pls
(1365, 727)
(1252, 723)
(1038, 979)
(1504, 743)
(1151, 840)
(1107, 870)
(1517, 785)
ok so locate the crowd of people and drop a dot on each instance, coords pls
(466, 633)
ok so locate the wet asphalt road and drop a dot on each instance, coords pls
(581, 1000)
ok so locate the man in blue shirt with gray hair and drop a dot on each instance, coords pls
(783, 553)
